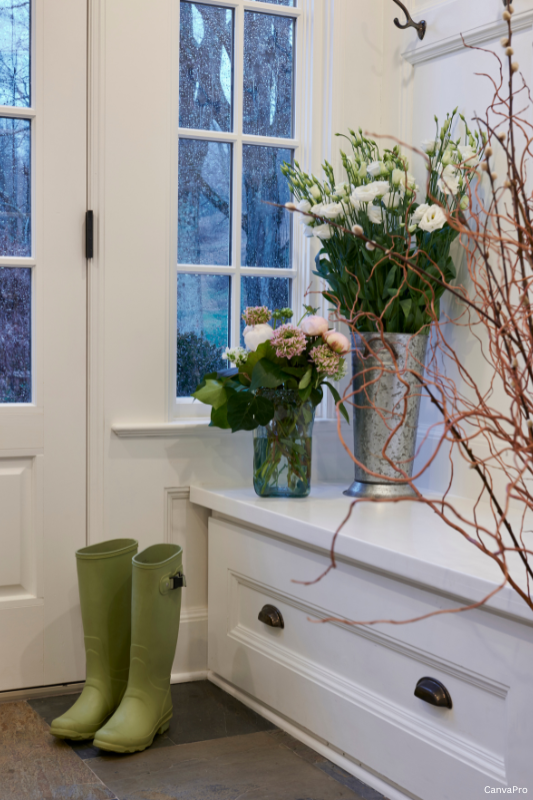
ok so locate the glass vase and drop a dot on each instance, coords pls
(282, 449)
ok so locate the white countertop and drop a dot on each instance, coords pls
(405, 539)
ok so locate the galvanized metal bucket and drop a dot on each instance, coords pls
(387, 397)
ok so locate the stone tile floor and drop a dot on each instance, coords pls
(215, 749)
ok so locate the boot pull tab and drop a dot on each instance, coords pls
(169, 582)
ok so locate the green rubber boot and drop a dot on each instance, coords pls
(104, 578)
(146, 708)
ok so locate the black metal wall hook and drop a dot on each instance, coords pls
(421, 27)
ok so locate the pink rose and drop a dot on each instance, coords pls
(314, 326)
(338, 342)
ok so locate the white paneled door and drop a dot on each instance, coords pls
(43, 273)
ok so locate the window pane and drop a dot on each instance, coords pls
(206, 67)
(291, 3)
(15, 52)
(203, 327)
(266, 230)
(15, 192)
(15, 335)
(270, 292)
(268, 74)
(204, 202)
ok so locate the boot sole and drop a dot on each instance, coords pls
(76, 736)
(162, 726)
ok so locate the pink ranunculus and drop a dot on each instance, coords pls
(338, 342)
(314, 326)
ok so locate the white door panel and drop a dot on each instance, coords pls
(43, 429)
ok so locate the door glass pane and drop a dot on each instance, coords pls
(206, 67)
(204, 202)
(15, 335)
(266, 230)
(15, 187)
(270, 292)
(15, 53)
(203, 327)
(268, 74)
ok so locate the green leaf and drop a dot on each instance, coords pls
(306, 380)
(337, 397)
(247, 411)
(266, 375)
(219, 417)
(406, 306)
(212, 393)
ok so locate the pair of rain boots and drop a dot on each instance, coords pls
(130, 607)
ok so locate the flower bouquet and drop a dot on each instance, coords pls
(273, 388)
(386, 261)
(369, 285)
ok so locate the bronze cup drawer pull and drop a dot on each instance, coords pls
(434, 692)
(270, 615)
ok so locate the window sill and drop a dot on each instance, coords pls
(192, 427)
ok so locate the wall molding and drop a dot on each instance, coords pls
(476, 37)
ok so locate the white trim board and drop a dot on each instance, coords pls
(476, 37)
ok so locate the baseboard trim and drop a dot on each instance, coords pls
(376, 782)
(188, 677)
(40, 691)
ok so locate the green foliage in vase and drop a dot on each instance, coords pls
(378, 198)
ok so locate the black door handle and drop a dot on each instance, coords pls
(432, 691)
(270, 615)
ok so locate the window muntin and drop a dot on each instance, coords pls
(232, 140)
(16, 189)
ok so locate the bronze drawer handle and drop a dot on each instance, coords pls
(270, 615)
(432, 691)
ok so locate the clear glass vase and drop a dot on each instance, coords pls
(282, 449)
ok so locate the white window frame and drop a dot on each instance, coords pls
(31, 114)
(301, 272)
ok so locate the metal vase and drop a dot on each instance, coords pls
(386, 388)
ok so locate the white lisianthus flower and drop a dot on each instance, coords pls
(430, 146)
(317, 209)
(391, 200)
(449, 156)
(323, 231)
(342, 188)
(254, 335)
(376, 168)
(434, 219)
(448, 183)
(332, 210)
(403, 179)
(469, 155)
(369, 192)
(417, 216)
(375, 215)
(309, 232)
(315, 192)
(305, 206)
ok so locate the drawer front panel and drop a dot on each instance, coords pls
(354, 686)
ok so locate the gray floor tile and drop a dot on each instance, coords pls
(253, 765)
(202, 711)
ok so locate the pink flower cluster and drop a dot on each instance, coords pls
(288, 341)
(327, 361)
(256, 315)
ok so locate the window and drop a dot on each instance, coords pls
(237, 71)
(16, 120)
